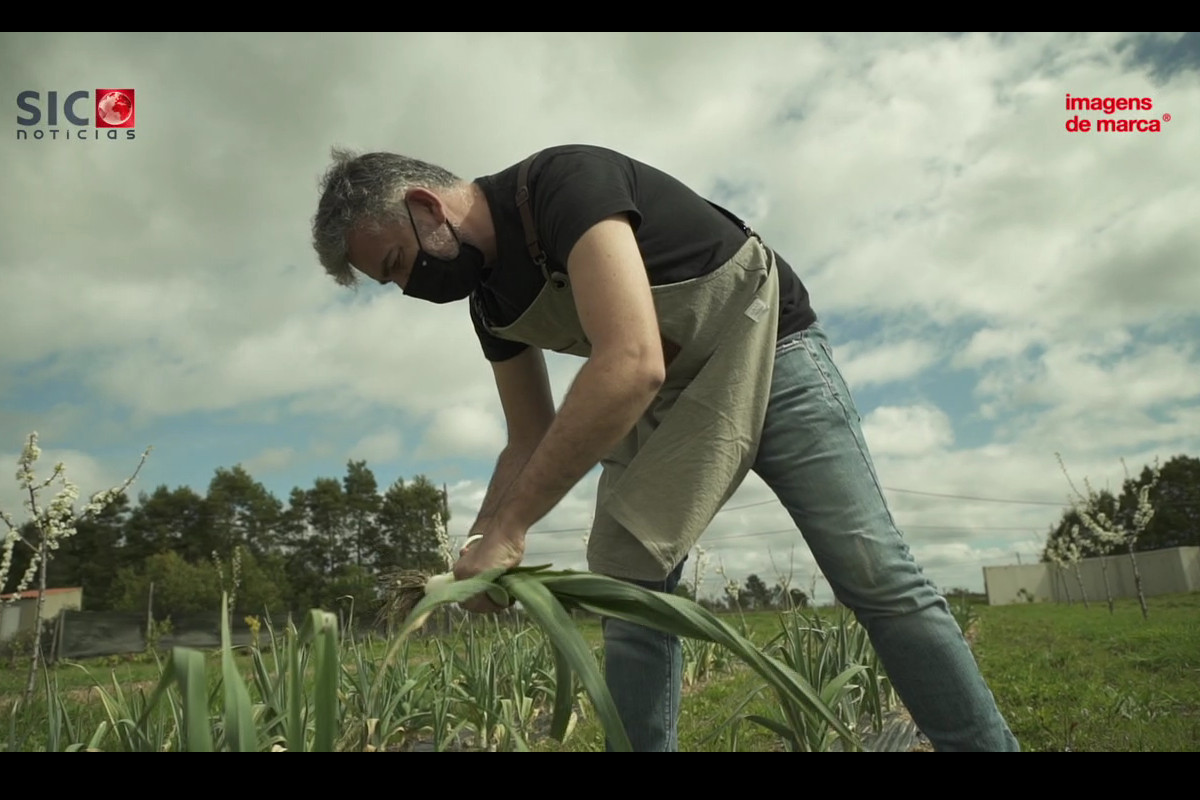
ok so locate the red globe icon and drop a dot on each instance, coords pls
(114, 108)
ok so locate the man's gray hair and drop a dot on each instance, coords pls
(365, 191)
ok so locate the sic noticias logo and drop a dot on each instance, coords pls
(81, 114)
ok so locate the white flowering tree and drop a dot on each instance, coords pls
(53, 522)
(1103, 542)
(1064, 553)
(1117, 529)
(783, 585)
(699, 570)
(732, 588)
(235, 580)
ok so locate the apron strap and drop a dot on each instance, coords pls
(523, 205)
(746, 229)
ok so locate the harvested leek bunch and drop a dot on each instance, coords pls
(548, 597)
(404, 588)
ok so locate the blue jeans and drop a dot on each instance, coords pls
(813, 457)
(643, 669)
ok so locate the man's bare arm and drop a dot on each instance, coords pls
(528, 406)
(614, 387)
(612, 390)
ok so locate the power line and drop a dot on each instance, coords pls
(887, 488)
(718, 542)
(748, 505)
(560, 530)
(914, 527)
(713, 539)
(965, 527)
(902, 527)
(793, 529)
(723, 510)
(984, 499)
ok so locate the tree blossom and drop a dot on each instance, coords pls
(1115, 530)
(52, 524)
(700, 570)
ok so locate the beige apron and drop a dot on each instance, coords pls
(687, 455)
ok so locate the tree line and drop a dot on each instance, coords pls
(331, 542)
(179, 550)
(755, 595)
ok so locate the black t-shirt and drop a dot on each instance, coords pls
(572, 187)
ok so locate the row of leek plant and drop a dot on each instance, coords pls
(306, 690)
(549, 597)
(312, 692)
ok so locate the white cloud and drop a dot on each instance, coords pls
(1082, 396)
(463, 431)
(994, 344)
(885, 364)
(270, 459)
(992, 209)
(907, 431)
(375, 448)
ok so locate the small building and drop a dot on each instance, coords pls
(17, 613)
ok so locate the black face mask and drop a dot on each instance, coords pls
(440, 280)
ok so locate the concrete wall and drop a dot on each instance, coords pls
(10, 621)
(1191, 567)
(1007, 584)
(1167, 571)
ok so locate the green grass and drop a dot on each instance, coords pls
(1065, 677)
(72, 676)
(1074, 679)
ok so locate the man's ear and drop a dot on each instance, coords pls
(426, 204)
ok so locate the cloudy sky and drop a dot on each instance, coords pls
(996, 288)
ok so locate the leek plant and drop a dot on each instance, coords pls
(488, 686)
(376, 720)
(548, 598)
(836, 657)
(480, 687)
(446, 725)
(192, 711)
(524, 682)
(704, 659)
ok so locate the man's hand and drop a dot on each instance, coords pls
(497, 548)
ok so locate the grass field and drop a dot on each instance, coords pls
(1066, 678)
(1074, 679)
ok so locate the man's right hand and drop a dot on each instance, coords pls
(497, 548)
